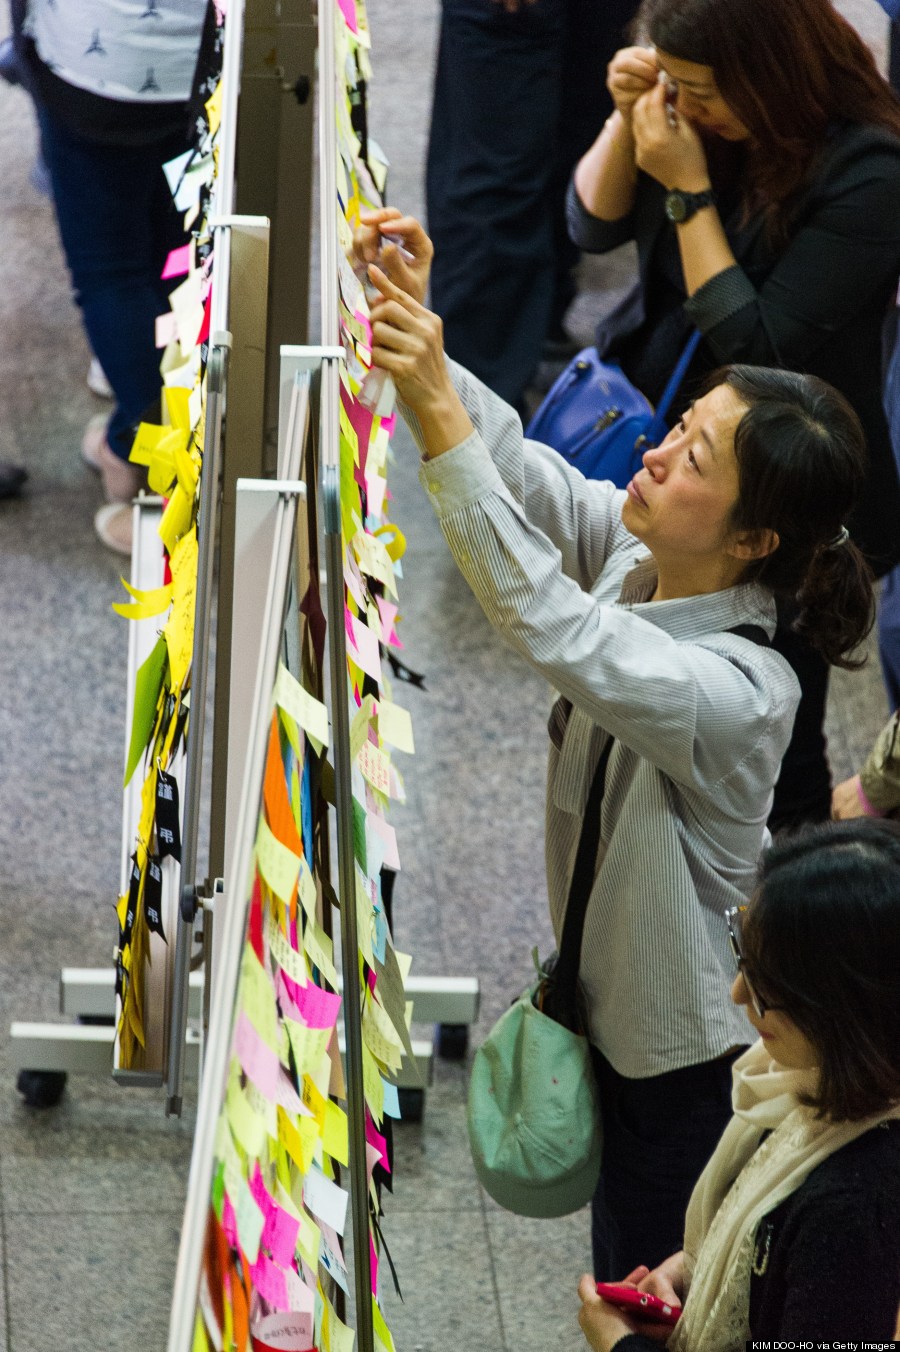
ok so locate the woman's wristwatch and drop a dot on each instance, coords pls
(681, 206)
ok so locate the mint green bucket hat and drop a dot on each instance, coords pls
(534, 1119)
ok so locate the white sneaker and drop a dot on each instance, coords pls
(113, 524)
(97, 382)
(94, 438)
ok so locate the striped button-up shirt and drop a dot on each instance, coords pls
(701, 718)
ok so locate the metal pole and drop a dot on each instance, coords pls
(334, 568)
(206, 524)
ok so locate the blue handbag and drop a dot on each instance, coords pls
(599, 422)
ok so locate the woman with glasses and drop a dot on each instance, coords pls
(791, 1233)
(650, 613)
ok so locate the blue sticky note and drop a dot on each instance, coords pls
(391, 1100)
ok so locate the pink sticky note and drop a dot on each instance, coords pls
(318, 1008)
(364, 647)
(388, 612)
(348, 9)
(178, 262)
(388, 835)
(262, 1066)
(268, 1280)
(389, 424)
(279, 1235)
(229, 1221)
(375, 1138)
(373, 1265)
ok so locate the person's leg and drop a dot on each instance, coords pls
(490, 161)
(803, 791)
(658, 1134)
(594, 33)
(114, 210)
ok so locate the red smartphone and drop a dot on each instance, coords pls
(639, 1303)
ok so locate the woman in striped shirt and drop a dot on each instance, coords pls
(636, 607)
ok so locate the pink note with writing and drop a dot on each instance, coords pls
(269, 1281)
(178, 262)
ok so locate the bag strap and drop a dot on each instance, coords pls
(569, 961)
(657, 427)
(565, 975)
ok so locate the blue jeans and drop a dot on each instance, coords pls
(658, 1134)
(117, 223)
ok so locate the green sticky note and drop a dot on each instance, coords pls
(359, 834)
(147, 685)
(218, 1191)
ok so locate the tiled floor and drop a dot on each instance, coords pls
(91, 1193)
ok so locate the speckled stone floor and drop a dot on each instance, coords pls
(91, 1192)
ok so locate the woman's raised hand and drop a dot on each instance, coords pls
(407, 264)
(408, 343)
(666, 146)
(632, 72)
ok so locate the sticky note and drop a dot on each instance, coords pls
(325, 1199)
(309, 712)
(363, 646)
(279, 867)
(395, 726)
(178, 262)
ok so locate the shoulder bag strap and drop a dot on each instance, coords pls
(569, 960)
(657, 429)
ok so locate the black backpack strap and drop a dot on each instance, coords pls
(754, 632)
(569, 961)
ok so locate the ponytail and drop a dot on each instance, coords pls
(837, 603)
(801, 457)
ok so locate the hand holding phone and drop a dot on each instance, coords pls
(639, 1303)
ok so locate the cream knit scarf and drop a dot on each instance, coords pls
(742, 1183)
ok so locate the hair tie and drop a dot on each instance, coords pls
(841, 538)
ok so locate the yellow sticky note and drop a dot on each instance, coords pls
(335, 1135)
(213, 107)
(373, 1086)
(309, 712)
(287, 958)
(256, 996)
(395, 726)
(248, 1126)
(179, 630)
(176, 519)
(308, 1045)
(177, 402)
(359, 725)
(380, 1328)
(314, 1101)
(320, 951)
(278, 865)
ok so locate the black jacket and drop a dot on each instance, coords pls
(817, 305)
(827, 1261)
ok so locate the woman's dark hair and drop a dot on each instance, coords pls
(801, 456)
(821, 939)
(786, 68)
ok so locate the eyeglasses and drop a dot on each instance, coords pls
(733, 919)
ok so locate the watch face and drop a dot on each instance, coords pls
(676, 207)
